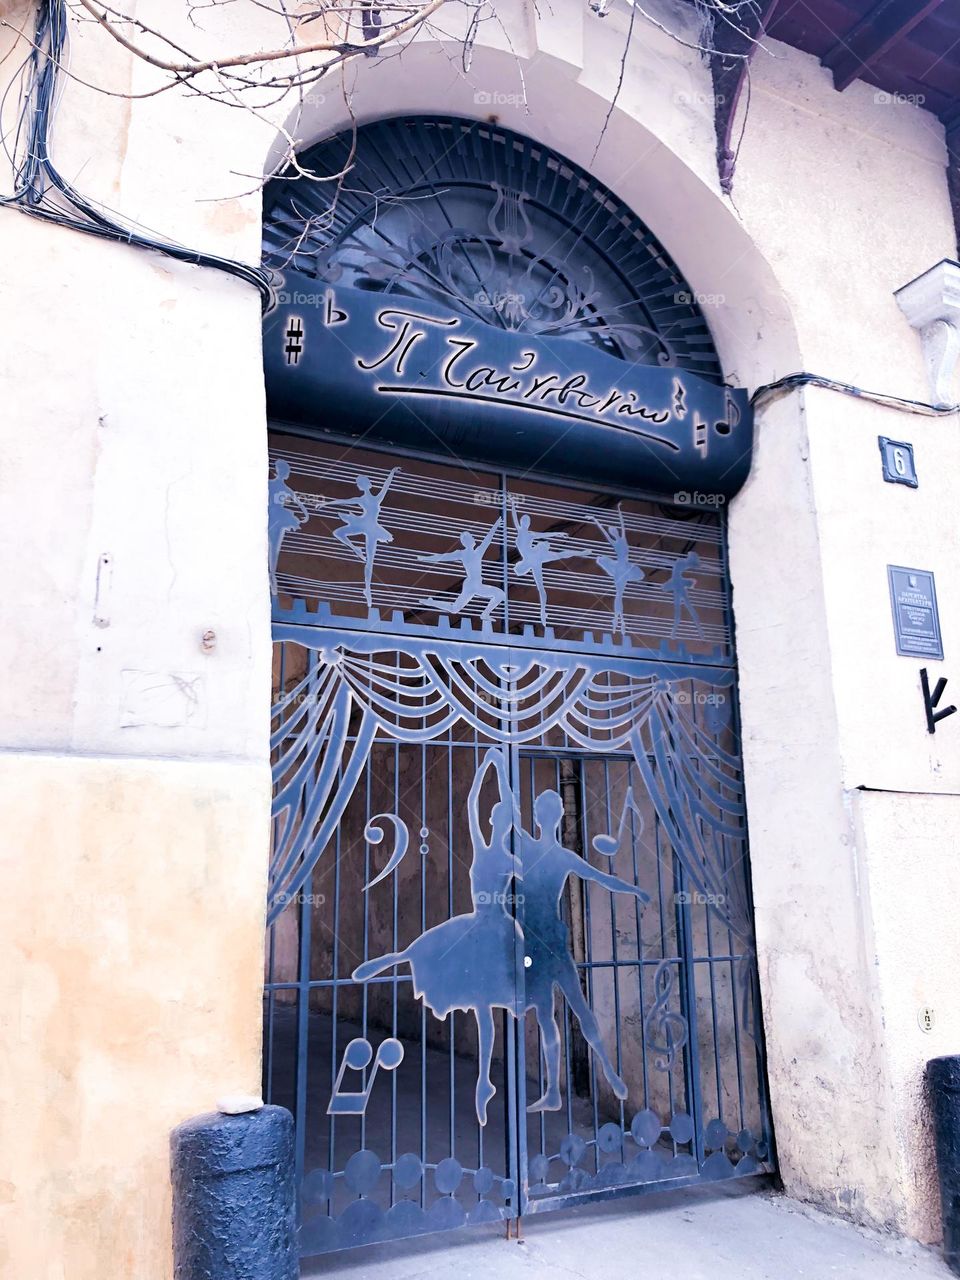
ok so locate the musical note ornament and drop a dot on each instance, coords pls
(357, 1056)
(609, 844)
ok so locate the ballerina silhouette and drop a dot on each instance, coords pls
(618, 567)
(469, 961)
(535, 552)
(364, 525)
(546, 867)
(679, 583)
(471, 557)
(287, 512)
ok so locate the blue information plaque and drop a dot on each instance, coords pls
(916, 621)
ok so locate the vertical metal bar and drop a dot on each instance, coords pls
(588, 947)
(515, 1028)
(631, 769)
(452, 1061)
(395, 984)
(504, 558)
(718, 1070)
(303, 1004)
(611, 825)
(663, 950)
(335, 999)
(365, 940)
(423, 1007)
(688, 997)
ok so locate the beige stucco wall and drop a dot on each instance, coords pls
(131, 908)
(854, 897)
(135, 761)
(134, 784)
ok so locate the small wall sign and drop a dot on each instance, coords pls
(916, 620)
(898, 464)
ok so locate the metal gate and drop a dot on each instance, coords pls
(510, 958)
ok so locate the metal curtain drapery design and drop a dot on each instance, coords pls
(418, 691)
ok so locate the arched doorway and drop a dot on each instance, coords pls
(511, 960)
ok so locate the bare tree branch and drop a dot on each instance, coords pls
(388, 33)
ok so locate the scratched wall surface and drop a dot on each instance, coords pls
(133, 522)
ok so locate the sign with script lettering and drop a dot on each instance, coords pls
(406, 371)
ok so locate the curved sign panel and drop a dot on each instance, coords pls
(406, 371)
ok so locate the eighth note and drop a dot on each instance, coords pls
(357, 1057)
(609, 844)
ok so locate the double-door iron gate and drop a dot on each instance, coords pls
(510, 960)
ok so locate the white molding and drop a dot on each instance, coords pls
(931, 303)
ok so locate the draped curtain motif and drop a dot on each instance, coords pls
(358, 688)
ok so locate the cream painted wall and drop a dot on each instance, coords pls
(136, 393)
(134, 784)
(131, 908)
(843, 240)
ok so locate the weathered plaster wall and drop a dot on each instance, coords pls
(915, 894)
(134, 785)
(131, 908)
(847, 220)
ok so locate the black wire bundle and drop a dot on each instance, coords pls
(793, 380)
(36, 177)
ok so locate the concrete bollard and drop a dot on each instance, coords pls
(943, 1085)
(234, 1209)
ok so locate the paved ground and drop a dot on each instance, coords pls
(710, 1234)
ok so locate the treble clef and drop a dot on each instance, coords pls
(666, 1030)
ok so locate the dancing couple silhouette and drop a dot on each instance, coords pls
(470, 960)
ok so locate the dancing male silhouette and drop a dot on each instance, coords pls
(471, 557)
(679, 583)
(618, 567)
(363, 524)
(535, 552)
(546, 865)
(287, 512)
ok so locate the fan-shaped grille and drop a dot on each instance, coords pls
(494, 226)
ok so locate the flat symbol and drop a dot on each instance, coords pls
(357, 1056)
(333, 314)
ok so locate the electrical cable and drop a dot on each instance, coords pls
(35, 174)
(793, 380)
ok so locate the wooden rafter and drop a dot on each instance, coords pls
(875, 34)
